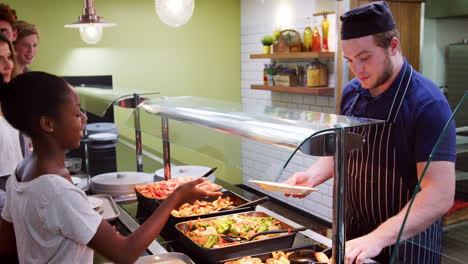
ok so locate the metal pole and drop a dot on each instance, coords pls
(166, 148)
(86, 153)
(138, 146)
(338, 238)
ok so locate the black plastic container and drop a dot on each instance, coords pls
(146, 207)
(214, 255)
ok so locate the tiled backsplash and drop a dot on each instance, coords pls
(262, 161)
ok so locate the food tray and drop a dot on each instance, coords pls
(214, 255)
(108, 208)
(265, 256)
(146, 207)
(165, 258)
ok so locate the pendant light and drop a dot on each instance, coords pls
(90, 24)
(175, 13)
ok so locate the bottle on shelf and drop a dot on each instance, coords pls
(325, 27)
(276, 34)
(307, 37)
(316, 40)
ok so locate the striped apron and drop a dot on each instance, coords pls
(375, 190)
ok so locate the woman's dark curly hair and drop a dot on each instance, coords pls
(31, 95)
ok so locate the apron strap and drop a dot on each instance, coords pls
(351, 108)
(400, 94)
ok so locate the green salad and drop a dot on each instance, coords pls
(207, 233)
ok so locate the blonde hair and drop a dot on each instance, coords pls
(24, 29)
(16, 69)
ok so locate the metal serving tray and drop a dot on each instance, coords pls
(265, 256)
(214, 255)
(166, 258)
(146, 207)
(109, 208)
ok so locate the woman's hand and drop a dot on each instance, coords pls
(190, 191)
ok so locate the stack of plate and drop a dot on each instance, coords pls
(119, 183)
(187, 171)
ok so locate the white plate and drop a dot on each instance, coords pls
(75, 180)
(283, 188)
(94, 202)
(102, 137)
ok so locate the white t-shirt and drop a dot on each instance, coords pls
(52, 218)
(10, 148)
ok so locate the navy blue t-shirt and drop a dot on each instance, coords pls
(423, 114)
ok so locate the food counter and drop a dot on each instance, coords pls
(312, 133)
(127, 222)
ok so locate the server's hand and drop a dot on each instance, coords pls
(300, 179)
(362, 248)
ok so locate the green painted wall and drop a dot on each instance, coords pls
(201, 58)
(446, 8)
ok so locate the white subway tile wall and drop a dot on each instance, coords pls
(262, 161)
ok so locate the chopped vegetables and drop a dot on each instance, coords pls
(278, 257)
(203, 232)
(202, 207)
(162, 189)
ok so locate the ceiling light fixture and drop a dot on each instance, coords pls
(175, 13)
(90, 24)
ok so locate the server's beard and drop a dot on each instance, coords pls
(387, 72)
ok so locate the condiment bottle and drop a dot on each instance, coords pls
(325, 26)
(276, 34)
(316, 41)
(307, 37)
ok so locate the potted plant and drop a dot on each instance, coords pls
(285, 76)
(270, 70)
(267, 41)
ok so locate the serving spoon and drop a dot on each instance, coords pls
(208, 173)
(238, 238)
(252, 203)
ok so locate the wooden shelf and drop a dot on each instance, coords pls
(327, 91)
(324, 13)
(294, 55)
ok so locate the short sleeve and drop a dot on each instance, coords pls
(70, 215)
(6, 215)
(430, 123)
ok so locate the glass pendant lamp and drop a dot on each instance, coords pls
(90, 24)
(175, 13)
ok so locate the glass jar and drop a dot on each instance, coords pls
(313, 74)
(323, 74)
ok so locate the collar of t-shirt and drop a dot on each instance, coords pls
(378, 107)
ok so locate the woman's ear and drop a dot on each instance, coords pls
(46, 124)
